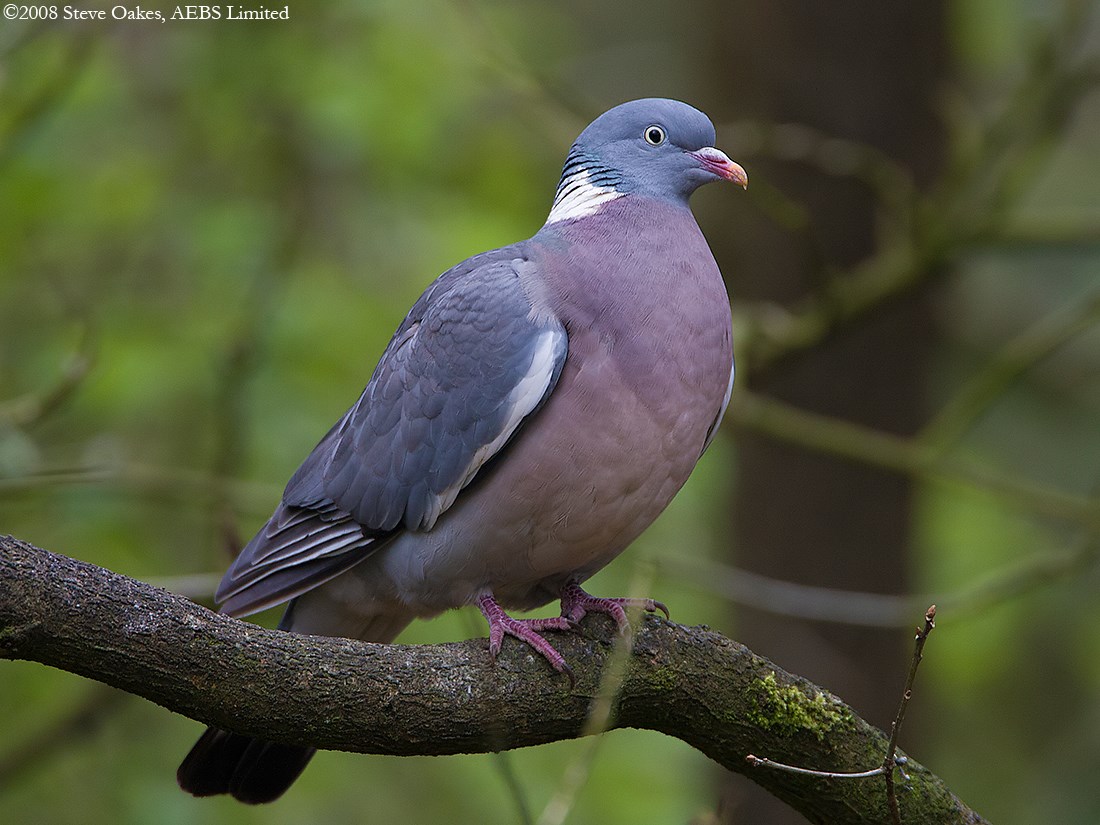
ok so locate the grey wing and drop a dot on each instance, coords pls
(471, 362)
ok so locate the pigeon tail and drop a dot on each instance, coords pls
(253, 770)
(250, 770)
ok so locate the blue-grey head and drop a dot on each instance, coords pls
(655, 147)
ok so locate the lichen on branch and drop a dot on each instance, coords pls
(691, 683)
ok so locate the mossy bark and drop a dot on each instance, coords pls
(691, 683)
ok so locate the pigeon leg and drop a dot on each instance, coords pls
(526, 630)
(575, 603)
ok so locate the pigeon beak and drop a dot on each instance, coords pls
(717, 162)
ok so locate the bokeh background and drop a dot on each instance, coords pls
(208, 231)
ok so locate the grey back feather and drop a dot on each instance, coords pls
(469, 364)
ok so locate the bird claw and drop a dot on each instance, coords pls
(527, 631)
(576, 603)
(568, 671)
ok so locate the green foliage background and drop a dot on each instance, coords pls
(208, 232)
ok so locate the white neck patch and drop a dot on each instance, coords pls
(577, 197)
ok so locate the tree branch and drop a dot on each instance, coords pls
(690, 683)
(856, 442)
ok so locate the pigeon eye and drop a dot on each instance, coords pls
(654, 135)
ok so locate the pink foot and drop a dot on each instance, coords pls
(526, 630)
(575, 603)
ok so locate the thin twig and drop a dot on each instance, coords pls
(1021, 353)
(572, 107)
(970, 206)
(177, 484)
(600, 713)
(32, 408)
(864, 609)
(869, 446)
(890, 180)
(763, 762)
(502, 761)
(19, 126)
(890, 761)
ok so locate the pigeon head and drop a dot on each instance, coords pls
(654, 147)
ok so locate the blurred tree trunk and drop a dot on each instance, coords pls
(869, 72)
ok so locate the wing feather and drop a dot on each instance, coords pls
(469, 365)
(713, 430)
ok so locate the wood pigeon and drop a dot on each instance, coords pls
(536, 410)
